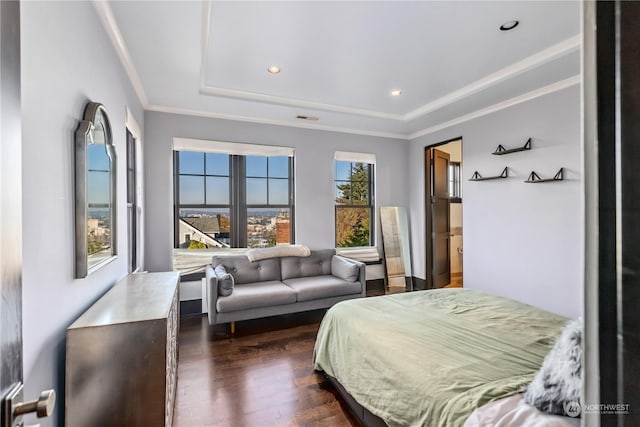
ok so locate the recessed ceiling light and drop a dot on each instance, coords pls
(273, 69)
(509, 25)
(396, 92)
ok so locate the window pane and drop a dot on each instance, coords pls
(191, 190)
(352, 226)
(97, 157)
(278, 191)
(256, 191)
(268, 227)
(343, 170)
(279, 167)
(98, 188)
(217, 164)
(204, 228)
(256, 166)
(217, 190)
(191, 163)
(98, 235)
(360, 172)
(360, 192)
(343, 192)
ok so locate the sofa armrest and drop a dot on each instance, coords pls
(362, 278)
(212, 293)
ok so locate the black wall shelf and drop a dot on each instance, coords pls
(477, 177)
(534, 178)
(501, 150)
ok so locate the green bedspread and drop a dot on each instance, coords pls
(429, 358)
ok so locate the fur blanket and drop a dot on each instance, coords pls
(556, 389)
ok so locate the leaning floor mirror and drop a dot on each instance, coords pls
(95, 191)
(395, 240)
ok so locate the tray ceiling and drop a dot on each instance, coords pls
(340, 60)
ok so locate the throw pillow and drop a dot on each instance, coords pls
(225, 281)
(344, 269)
(225, 285)
(558, 384)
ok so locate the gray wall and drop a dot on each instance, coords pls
(314, 156)
(67, 60)
(522, 241)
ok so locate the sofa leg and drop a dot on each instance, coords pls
(233, 328)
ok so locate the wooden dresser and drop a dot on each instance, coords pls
(122, 355)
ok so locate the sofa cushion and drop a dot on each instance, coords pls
(316, 264)
(344, 269)
(255, 295)
(310, 288)
(245, 271)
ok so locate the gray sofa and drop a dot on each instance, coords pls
(280, 285)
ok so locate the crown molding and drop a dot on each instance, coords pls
(274, 122)
(537, 93)
(293, 102)
(113, 31)
(553, 52)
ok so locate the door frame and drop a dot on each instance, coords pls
(611, 103)
(427, 208)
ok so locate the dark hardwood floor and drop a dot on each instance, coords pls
(262, 376)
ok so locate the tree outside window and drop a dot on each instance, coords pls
(354, 204)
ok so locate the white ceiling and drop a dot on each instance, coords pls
(340, 60)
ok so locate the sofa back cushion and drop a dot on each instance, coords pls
(245, 271)
(316, 264)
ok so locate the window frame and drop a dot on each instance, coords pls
(237, 206)
(455, 172)
(371, 200)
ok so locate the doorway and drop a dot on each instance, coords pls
(443, 214)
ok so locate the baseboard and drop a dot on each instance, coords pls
(375, 285)
(456, 274)
(419, 284)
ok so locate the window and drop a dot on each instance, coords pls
(354, 202)
(232, 201)
(132, 203)
(455, 188)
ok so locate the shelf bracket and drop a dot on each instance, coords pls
(477, 177)
(501, 150)
(534, 178)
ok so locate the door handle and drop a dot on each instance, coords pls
(13, 407)
(43, 407)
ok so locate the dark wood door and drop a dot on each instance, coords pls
(440, 219)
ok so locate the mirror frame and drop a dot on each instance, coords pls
(82, 138)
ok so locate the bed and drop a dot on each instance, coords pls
(430, 358)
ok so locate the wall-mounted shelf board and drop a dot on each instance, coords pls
(501, 150)
(534, 178)
(477, 177)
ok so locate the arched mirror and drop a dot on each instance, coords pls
(95, 191)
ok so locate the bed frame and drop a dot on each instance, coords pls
(361, 413)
